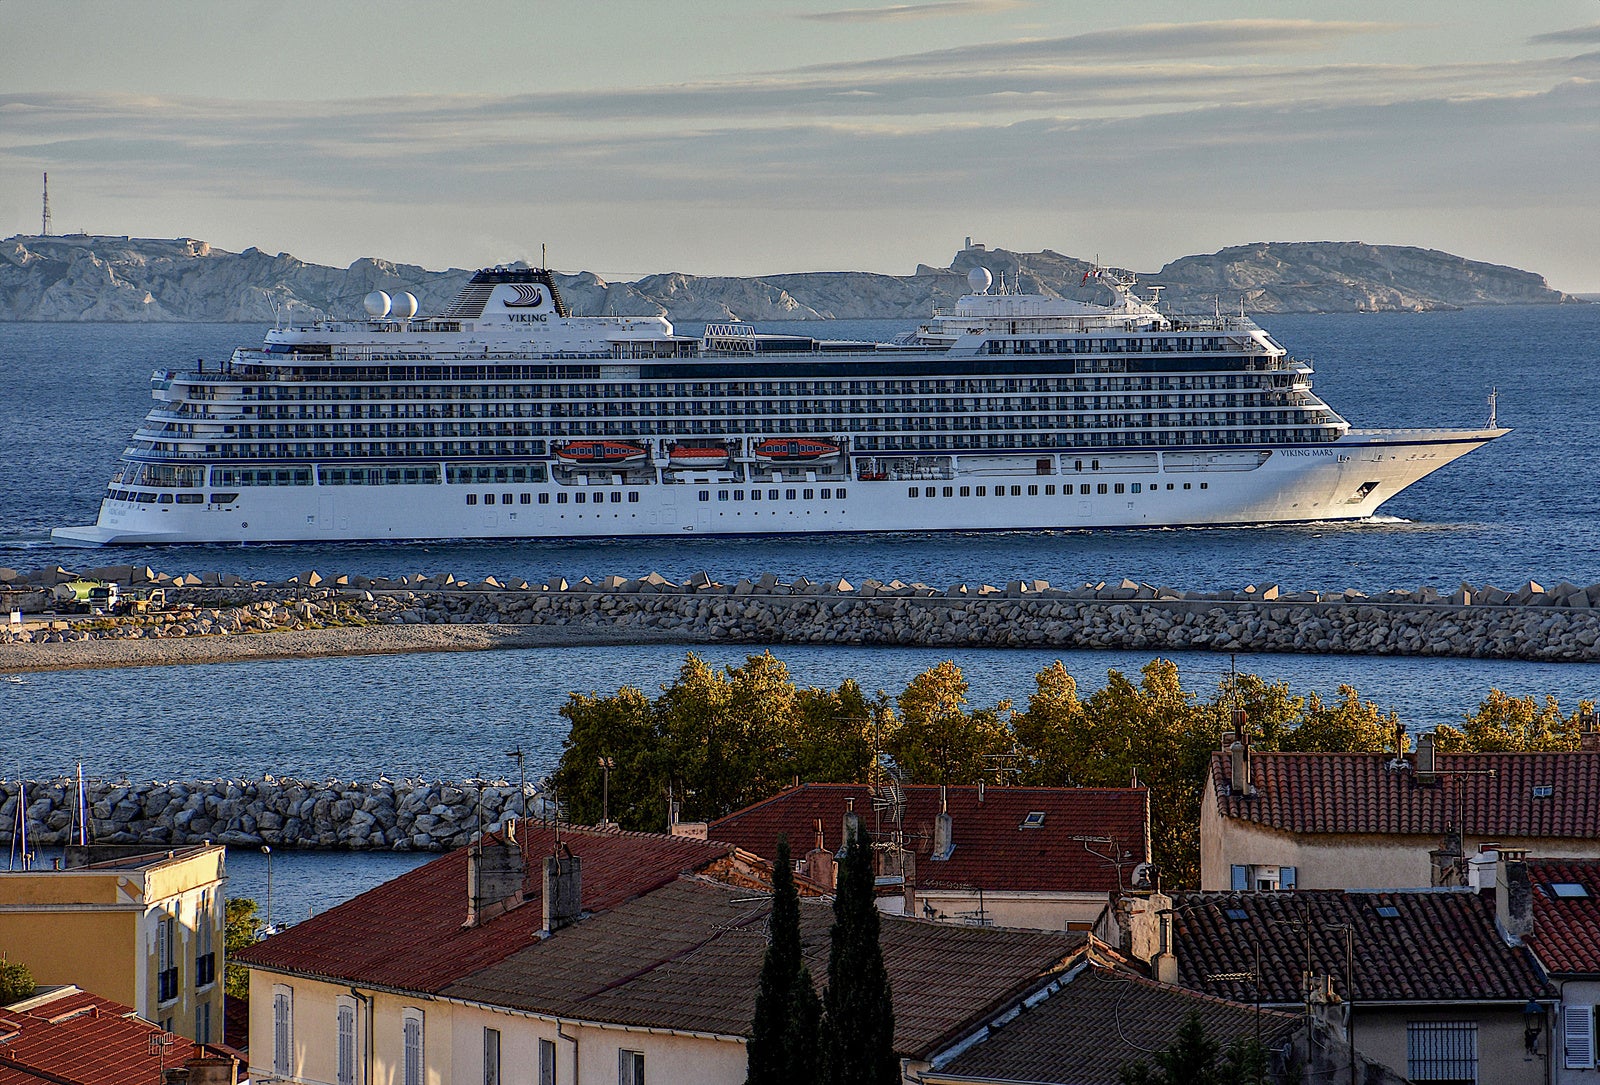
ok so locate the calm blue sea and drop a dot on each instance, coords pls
(1524, 507)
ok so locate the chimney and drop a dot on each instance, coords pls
(563, 903)
(852, 823)
(495, 874)
(819, 862)
(1427, 769)
(1513, 896)
(1239, 781)
(212, 1070)
(1588, 729)
(1447, 862)
(980, 792)
(943, 842)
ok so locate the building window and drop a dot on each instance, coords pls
(547, 1062)
(414, 1064)
(1442, 1051)
(202, 1023)
(1262, 878)
(630, 1068)
(282, 1030)
(491, 1056)
(166, 958)
(1578, 1026)
(346, 1066)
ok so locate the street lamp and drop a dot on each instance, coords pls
(267, 851)
(606, 765)
(1532, 1024)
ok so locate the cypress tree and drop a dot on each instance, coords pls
(859, 1012)
(783, 1034)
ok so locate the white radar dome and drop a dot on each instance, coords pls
(377, 303)
(405, 306)
(978, 279)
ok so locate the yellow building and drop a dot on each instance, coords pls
(136, 925)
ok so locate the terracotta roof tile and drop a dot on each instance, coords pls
(408, 933)
(687, 956)
(1566, 928)
(83, 1039)
(1360, 793)
(991, 850)
(1101, 1019)
(1410, 946)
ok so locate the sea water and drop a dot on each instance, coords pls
(1522, 507)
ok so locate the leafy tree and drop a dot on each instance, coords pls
(1052, 733)
(858, 1026)
(16, 982)
(242, 927)
(1271, 713)
(619, 726)
(832, 739)
(1348, 725)
(1194, 1058)
(1505, 723)
(937, 741)
(783, 1035)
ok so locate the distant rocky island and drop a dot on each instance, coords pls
(86, 277)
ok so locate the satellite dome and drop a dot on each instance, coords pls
(978, 280)
(405, 306)
(377, 304)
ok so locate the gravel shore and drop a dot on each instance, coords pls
(305, 644)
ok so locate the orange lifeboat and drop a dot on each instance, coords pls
(697, 456)
(795, 449)
(601, 452)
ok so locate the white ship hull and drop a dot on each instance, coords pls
(1343, 480)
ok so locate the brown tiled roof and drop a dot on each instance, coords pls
(1438, 944)
(1566, 930)
(991, 851)
(687, 956)
(1102, 1018)
(81, 1039)
(1360, 793)
(408, 933)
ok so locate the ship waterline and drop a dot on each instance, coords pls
(507, 418)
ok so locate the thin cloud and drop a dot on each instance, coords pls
(938, 9)
(1578, 35)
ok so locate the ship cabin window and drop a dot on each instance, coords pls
(911, 491)
(1205, 485)
(1120, 488)
(810, 494)
(1187, 485)
(164, 499)
(1077, 465)
(527, 499)
(191, 499)
(927, 491)
(561, 499)
(755, 495)
(1049, 491)
(826, 493)
(839, 493)
(1137, 487)
(999, 491)
(705, 495)
(472, 499)
(544, 499)
(949, 491)
(1094, 465)
(966, 491)
(488, 499)
(633, 496)
(146, 499)
(983, 491)
(738, 495)
(505, 499)
(788, 495)
(1169, 485)
(1100, 489)
(1083, 488)
(722, 495)
(1033, 491)
(224, 499)
(580, 497)
(1016, 491)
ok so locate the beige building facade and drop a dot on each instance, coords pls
(141, 927)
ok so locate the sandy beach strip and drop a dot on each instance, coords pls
(311, 644)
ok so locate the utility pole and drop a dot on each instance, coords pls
(44, 222)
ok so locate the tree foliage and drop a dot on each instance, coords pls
(1502, 722)
(1194, 1058)
(242, 927)
(783, 1035)
(16, 981)
(937, 740)
(858, 1021)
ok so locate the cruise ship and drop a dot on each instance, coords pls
(508, 417)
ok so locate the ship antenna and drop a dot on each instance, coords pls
(1494, 394)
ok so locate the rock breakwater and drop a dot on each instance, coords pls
(1532, 622)
(397, 815)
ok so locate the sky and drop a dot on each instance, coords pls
(746, 137)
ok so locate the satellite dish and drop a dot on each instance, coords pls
(377, 304)
(978, 280)
(405, 306)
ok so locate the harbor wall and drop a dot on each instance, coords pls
(396, 815)
(1530, 623)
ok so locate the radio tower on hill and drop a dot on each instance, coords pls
(44, 224)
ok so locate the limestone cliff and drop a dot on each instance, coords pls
(92, 278)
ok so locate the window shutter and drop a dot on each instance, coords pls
(1286, 877)
(1241, 878)
(1577, 1033)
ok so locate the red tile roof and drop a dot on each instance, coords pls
(687, 956)
(1360, 793)
(991, 850)
(1433, 945)
(1566, 929)
(408, 933)
(1102, 1018)
(75, 1038)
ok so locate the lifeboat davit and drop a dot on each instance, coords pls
(603, 452)
(795, 449)
(692, 456)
